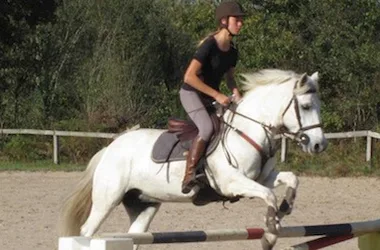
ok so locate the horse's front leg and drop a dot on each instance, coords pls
(235, 184)
(271, 178)
(275, 179)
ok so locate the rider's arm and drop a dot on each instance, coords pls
(232, 84)
(194, 81)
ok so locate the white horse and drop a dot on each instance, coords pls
(276, 102)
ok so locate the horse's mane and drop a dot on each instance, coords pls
(266, 76)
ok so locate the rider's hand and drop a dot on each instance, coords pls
(222, 99)
(237, 98)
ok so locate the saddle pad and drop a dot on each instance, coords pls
(169, 148)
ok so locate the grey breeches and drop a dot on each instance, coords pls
(197, 112)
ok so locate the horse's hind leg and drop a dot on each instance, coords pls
(106, 195)
(140, 213)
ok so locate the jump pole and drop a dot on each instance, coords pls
(249, 233)
(366, 241)
(192, 236)
(125, 241)
(321, 242)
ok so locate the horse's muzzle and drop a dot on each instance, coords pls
(315, 147)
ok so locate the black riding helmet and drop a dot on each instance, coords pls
(227, 9)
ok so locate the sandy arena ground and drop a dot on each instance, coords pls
(30, 202)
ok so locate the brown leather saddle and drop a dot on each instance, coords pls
(174, 144)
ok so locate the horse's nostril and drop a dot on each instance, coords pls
(316, 147)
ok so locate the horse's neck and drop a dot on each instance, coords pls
(263, 105)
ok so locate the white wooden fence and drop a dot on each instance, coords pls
(284, 148)
(343, 135)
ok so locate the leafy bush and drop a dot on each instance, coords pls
(26, 148)
(80, 150)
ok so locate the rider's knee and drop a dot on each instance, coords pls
(206, 132)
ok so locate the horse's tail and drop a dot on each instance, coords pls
(77, 205)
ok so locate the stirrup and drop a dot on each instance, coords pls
(201, 179)
(197, 180)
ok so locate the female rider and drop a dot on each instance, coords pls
(215, 57)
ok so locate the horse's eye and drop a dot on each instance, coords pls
(306, 107)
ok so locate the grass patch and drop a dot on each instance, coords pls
(39, 166)
(342, 158)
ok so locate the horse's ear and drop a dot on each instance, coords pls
(315, 76)
(302, 81)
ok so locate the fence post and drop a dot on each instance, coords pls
(284, 149)
(55, 149)
(369, 150)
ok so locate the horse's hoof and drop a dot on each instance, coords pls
(285, 209)
(268, 241)
(287, 203)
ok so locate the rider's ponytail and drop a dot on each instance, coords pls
(209, 35)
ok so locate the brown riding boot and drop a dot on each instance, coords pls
(195, 153)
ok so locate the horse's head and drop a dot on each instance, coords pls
(285, 103)
(301, 118)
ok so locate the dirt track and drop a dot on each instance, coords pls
(29, 205)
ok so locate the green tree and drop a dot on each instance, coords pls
(18, 20)
(137, 63)
(120, 63)
(337, 38)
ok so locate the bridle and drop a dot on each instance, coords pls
(298, 135)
